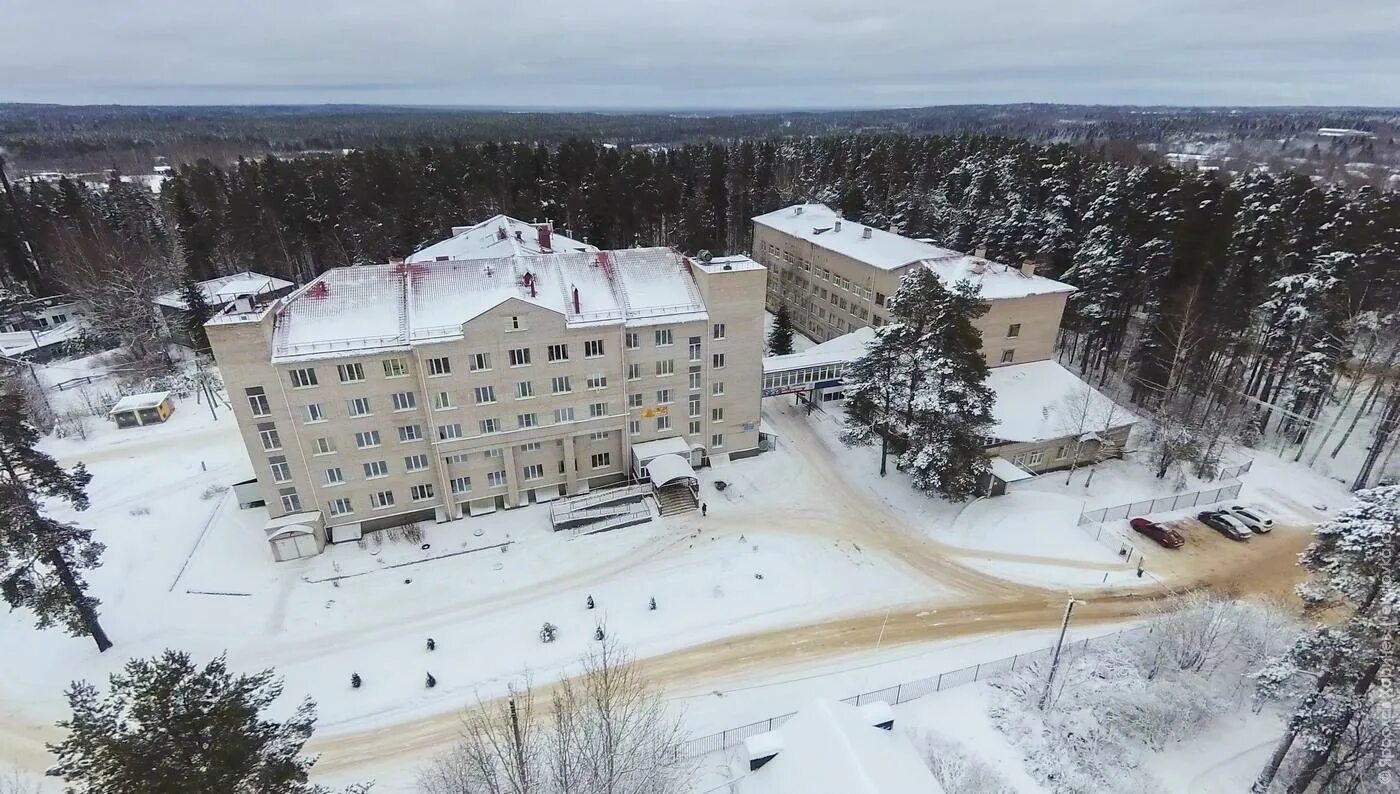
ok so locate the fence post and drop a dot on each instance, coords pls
(938, 687)
(899, 694)
(977, 672)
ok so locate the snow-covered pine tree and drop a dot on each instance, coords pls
(780, 338)
(167, 726)
(197, 311)
(949, 410)
(41, 558)
(873, 392)
(1333, 667)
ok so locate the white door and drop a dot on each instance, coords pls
(284, 549)
(305, 545)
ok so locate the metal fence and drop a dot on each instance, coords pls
(1234, 472)
(1162, 504)
(910, 690)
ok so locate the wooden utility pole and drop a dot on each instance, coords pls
(1055, 659)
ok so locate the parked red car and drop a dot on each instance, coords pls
(1165, 536)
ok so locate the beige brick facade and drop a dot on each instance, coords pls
(522, 399)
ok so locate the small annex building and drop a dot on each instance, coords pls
(295, 535)
(135, 410)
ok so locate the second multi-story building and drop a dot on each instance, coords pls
(836, 276)
(391, 393)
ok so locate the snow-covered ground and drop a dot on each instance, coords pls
(811, 576)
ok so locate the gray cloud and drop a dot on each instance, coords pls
(702, 53)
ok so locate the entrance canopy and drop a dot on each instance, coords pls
(665, 469)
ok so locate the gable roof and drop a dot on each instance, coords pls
(830, 747)
(496, 237)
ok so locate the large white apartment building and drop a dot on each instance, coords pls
(836, 275)
(400, 392)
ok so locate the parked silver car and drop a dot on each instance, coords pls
(1254, 518)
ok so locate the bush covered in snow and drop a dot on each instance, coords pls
(959, 771)
(1114, 702)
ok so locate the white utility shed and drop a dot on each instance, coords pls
(296, 535)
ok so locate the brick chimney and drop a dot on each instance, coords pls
(980, 252)
(542, 231)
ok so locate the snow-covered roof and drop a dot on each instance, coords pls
(222, 290)
(664, 469)
(303, 523)
(734, 262)
(832, 747)
(139, 402)
(1006, 471)
(841, 349)
(817, 224)
(675, 445)
(1042, 400)
(387, 306)
(495, 237)
(13, 343)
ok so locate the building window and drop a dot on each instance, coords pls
(495, 479)
(601, 460)
(694, 428)
(493, 453)
(458, 458)
(598, 381)
(694, 377)
(665, 367)
(694, 405)
(334, 476)
(520, 357)
(440, 366)
(421, 493)
(1061, 452)
(1007, 356)
(415, 462)
(634, 400)
(257, 401)
(358, 406)
(484, 395)
(555, 353)
(404, 400)
(323, 446)
(717, 388)
(340, 507)
(442, 401)
(597, 409)
(664, 338)
(634, 371)
(367, 439)
(376, 469)
(381, 499)
(716, 440)
(718, 360)
(694, 348)
(290, 501)
(563, 415)
(524, 390)
(514, 323)
(602, 436)
(663, 422)
(716, 414)
(395, 368)
(632, 342)
(718, 331)
(492, 425)
(1035, 458)
(480, 362)
(535, 471)
(270, 439)
(1013, 330)
(532, 446)
(527, 420)
(593, 348)
(879, 299)
(560, 384)
(663, 396)
(634, 427)
(449, 432)
(303, 378)
(281, 472)
(350, 373)
(461, 485)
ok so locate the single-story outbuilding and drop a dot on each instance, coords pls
(296, 535)
(135, 410)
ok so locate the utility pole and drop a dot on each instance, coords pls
(204, 386)
(1055, 660)
(33, 276)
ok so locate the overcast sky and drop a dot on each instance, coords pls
(701, 53)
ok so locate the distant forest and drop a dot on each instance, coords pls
(1208, 295)
(77, 139)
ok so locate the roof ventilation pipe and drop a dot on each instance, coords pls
(865, 234)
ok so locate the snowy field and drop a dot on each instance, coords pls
(811, 577)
